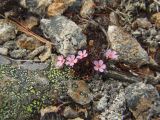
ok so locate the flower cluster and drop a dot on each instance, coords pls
(71, 60)
(99, 65)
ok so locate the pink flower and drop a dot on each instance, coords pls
(60, 61)
(99, 66)
(71, 60)
(82, 54)
(111, 54)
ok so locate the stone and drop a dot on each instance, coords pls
(23, 93)
(3, 51)
(102, 103)
(115, 111)
(35, 52)
(7, 31)
(156, 19)
(52, 116)
(70, 113)
(33, 66)
(36, 6)
(114, 18)
(10, 45)
(79, 92)
(20, 53)
(127, 47)
(26, 42)
(30, 22)
(87, 9)
(59, 6)
(64, 33)
(142, 23)
(140, 99)
(4, 60)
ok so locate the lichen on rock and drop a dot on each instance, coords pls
(24, 92)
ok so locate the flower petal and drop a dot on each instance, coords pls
(101, 70)
(103, 66)
(95, 62)
(79, 52)
(75, 60)
(84, 51)
(95, 68)
(100, 62)
(85, 55)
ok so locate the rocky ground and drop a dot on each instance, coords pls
(37, 34)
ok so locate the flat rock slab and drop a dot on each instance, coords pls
(64, 33)
(34, 66)
(129, 50)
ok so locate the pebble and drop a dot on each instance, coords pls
(7, 31)
(20, 53)
(142, 23)
(59, 6)
(155, 18)
(10, 45)
(87, 9)
(4, 60)
(36, 52)
(70, 113)
(3, 51)
(26, 42)
(36, 6)
(79, 92)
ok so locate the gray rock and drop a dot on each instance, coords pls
(153, 32)
(137, 33)
(36, 6)
(102, 103)
(7, 30)
(115, 111)
(142, 23)
(70, 113)
(140, 99)
(64, 33)
(20, 53)
(34, 66)
(3, 51)
(157, 37)
(35, 52)
(87, 9)
(129, 50)
(10, 45)
(4, 60)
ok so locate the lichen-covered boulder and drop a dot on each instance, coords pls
(64, 33)
(140, 99)
(24, 92)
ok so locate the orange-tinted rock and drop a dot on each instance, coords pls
(79, 92)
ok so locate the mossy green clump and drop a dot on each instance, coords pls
(22, 93)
